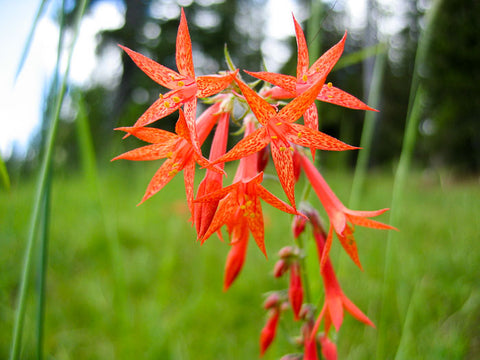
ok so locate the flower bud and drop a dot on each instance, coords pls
(298, 225)
(267, 335)
(295, 289)
(280, 268)
(272, 301)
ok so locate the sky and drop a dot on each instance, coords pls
(21, 100)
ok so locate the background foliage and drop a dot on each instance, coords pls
(129, 282)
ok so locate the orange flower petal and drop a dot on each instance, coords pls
(184, 49)
(339, 97)
(158, 73)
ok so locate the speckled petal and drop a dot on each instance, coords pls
(151, 135)
(283, 160)
(159, 109)
(295, 108)
(304, 136)
(327, 61)
(255, 224)
(247, 146)
(184, 49)
(158, 73)
(189, 176)
(287, 82)
(348, 242)
(339, 97)
(271, 199)
(213, 84)
(149, 152)
(263, 110)
(302, 50)
(164, 174)
(361, 221)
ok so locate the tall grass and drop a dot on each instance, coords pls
(413, 118)
(41, 205)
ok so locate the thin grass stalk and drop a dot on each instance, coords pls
(28, 43)
(314, 30)
(417, 94)
(88, 160)
(368, 129)
(4, 174)
(42, 268)
(408, 338)
(38, 200)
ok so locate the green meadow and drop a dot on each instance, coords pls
(129, 282)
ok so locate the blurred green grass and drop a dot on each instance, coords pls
(175, 307)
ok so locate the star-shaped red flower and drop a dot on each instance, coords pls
(279, 131)
(185, 87)
(290, 86)
(177, 148)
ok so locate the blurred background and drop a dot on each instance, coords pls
(123, 281)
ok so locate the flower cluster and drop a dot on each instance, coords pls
(268, 128)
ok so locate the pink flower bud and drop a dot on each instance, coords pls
(298, 225)
(286, 252)
(280, 268)
(272, 301)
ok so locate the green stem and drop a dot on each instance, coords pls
(368, 129)
(4, 174)
(413, 118)
(38, 200)
(42, 271)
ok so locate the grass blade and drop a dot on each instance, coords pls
(38, 200)
(4, 174)
(38, 15)
(368, 129)
(413, 117)
(87, 155)
(42, 269)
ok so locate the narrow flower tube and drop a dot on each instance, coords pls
(342, 220)
(203, 212)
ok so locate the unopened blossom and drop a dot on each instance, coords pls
(204, 211)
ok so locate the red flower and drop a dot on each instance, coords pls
(237, 253)
(279, 131)
(295, 289)
(185, 87)
(177, 148)
(239, 204)
(335, 299)
(289, 86)
(204, 212)
(339, 215)
(267, 335)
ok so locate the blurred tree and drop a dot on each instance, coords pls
(452, 130)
